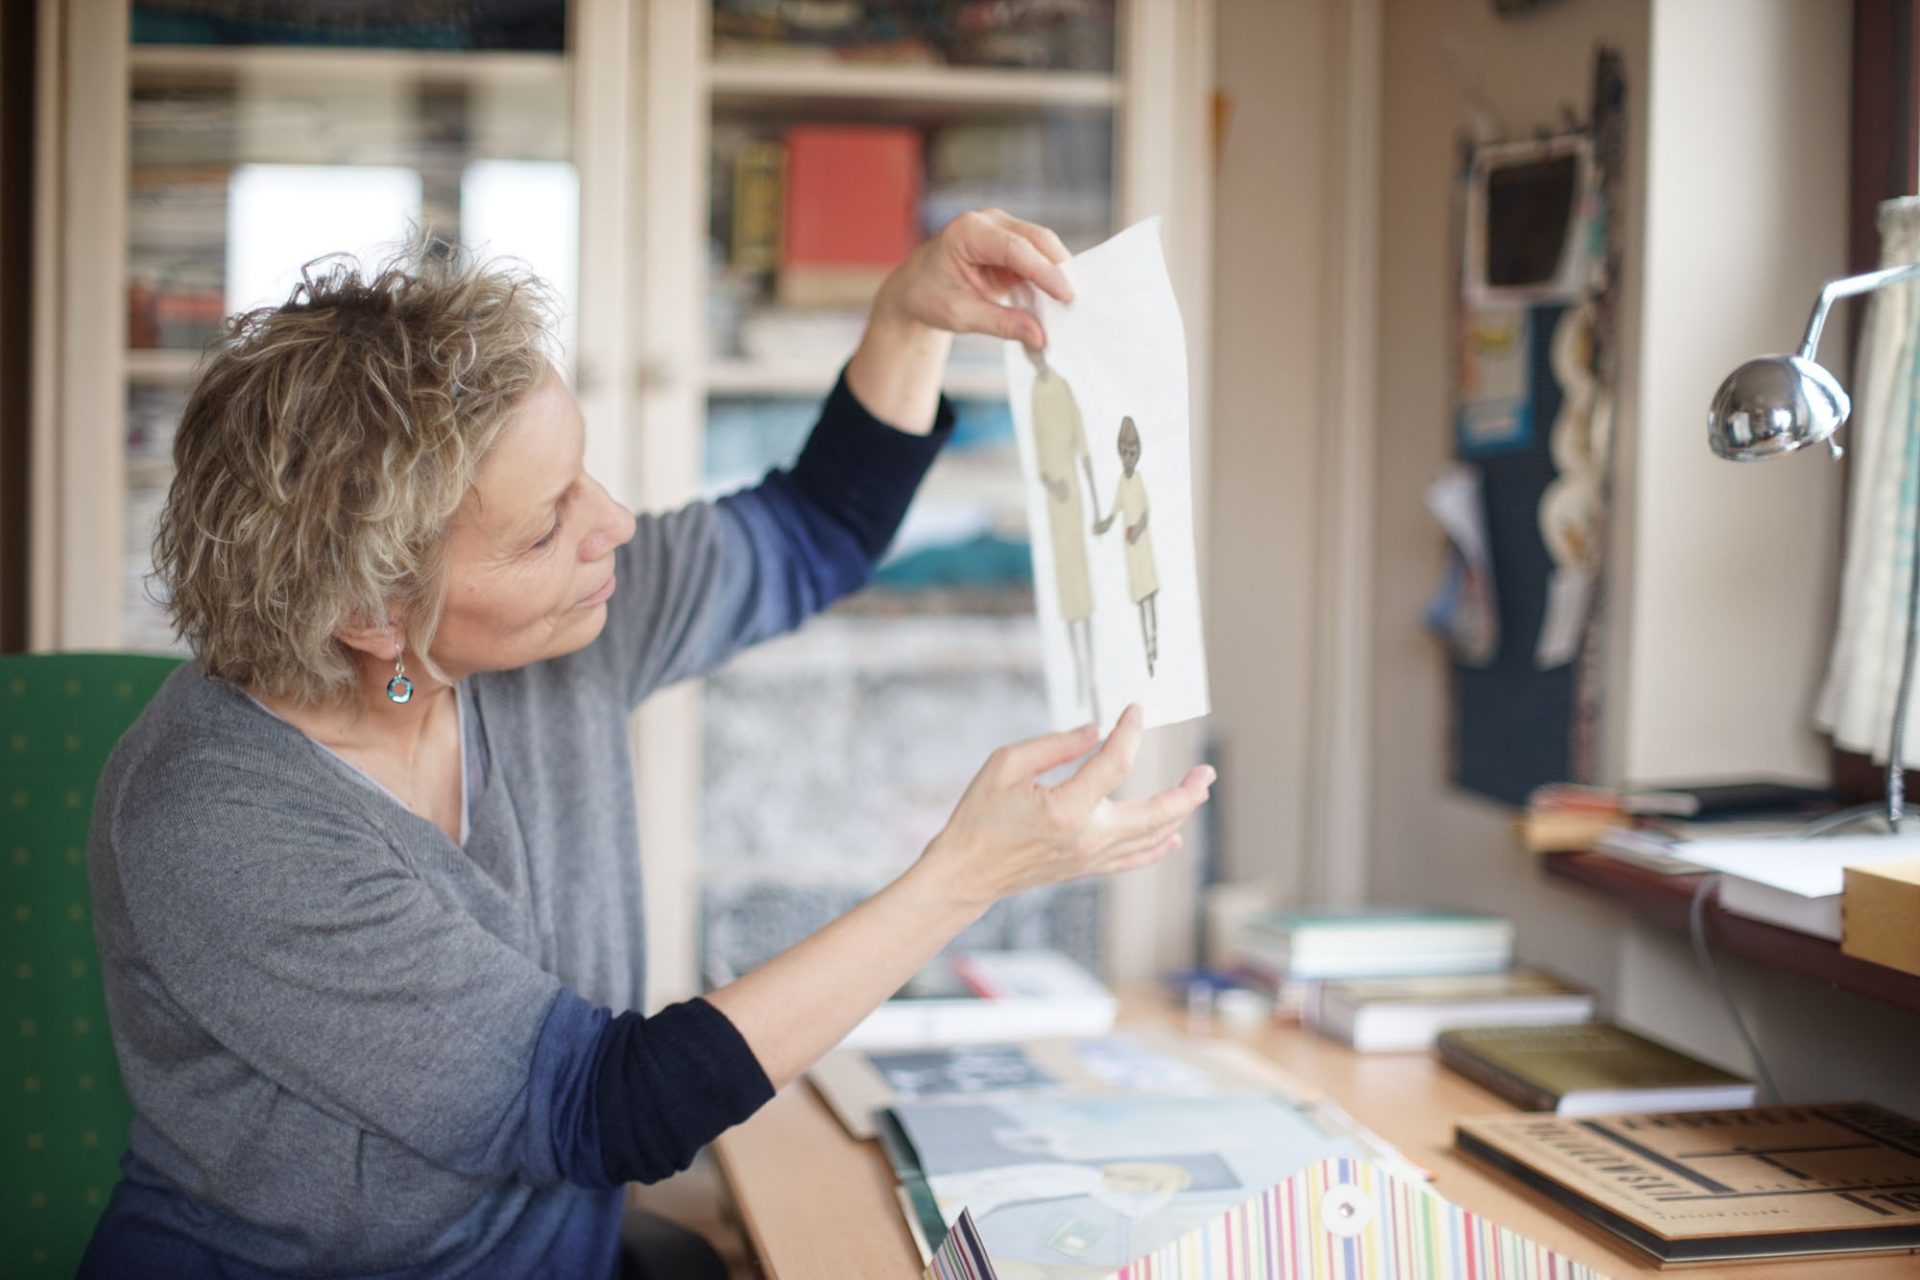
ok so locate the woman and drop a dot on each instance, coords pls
(369, 920)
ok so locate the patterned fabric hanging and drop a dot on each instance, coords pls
(1863, 673)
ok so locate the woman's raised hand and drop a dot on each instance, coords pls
(1011, 832)
(958, 280)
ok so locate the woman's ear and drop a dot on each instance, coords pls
(383, 640)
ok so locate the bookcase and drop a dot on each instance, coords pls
(778, 792)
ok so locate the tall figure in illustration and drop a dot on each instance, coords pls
(1060, 447)
(1130, 508)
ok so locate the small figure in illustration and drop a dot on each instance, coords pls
(1060, 446)
(1130, 507)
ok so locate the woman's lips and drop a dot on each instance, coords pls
(600, 595)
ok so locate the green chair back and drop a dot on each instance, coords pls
(63, 1113)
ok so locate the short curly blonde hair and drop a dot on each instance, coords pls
(323, 455)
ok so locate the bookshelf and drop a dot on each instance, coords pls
(637, 105)
(896, 694)
(1664, 900)
(157, 65)
(166, 366)
(776, 86)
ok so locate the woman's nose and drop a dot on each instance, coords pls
(613, 527)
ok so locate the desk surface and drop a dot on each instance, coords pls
(818, 1204)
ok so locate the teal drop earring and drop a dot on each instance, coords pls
(399, 689)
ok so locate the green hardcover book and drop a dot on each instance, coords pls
(1588, 1069)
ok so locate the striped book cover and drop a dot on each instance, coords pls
(962, 1256)
(1340, 1219)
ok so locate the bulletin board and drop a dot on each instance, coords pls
(1535, 340)
(1513, 721)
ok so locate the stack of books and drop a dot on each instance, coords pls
(1643, 826)
(1386, 1015)
(1566, 818)
(1372, 942)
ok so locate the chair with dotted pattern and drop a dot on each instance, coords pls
(63, 1113)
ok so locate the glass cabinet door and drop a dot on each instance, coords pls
(264, 135)
(840, 137)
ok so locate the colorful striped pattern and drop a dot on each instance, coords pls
(1346, 1219)
(962, 1256)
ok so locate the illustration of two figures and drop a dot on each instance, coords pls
(1060, 445)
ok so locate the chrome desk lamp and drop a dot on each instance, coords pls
(1777, 404)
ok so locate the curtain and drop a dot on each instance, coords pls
(1863, 673)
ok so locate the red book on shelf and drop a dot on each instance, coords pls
(852, 210)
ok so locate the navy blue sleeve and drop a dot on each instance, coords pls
(632, 1099)
(861, 474)
(701, 583)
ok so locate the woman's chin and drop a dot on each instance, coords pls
(583, 626)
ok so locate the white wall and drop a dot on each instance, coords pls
(1733, 566)
(1269, 353)
(1290, 523)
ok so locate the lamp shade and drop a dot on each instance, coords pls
(1773, 405)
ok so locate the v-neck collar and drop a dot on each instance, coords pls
(460, 733)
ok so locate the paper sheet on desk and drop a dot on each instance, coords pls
(1114, 581)
(1806, 868)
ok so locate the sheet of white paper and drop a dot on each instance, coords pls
(1809, 868)
(1113, 562)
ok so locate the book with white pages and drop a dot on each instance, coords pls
(1795, 884)
(981, 997)
(1389, 1015)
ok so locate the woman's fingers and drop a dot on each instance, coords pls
(1035, 756)
(1174, 805)
(1139, 824)
(1146, 857)
(1041, 237)
(976, 315)
(992, 241)
(1099, 777)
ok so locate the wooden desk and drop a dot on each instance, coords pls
(818, 1204)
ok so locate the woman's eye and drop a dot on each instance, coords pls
(550, 536)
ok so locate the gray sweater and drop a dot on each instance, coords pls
(356, 1047)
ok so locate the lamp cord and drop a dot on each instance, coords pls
(1697, 931)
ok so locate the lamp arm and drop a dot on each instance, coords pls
(1848, 287)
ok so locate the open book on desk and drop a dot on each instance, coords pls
(857, 1083)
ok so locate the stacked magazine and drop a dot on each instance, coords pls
(1124, 1155)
